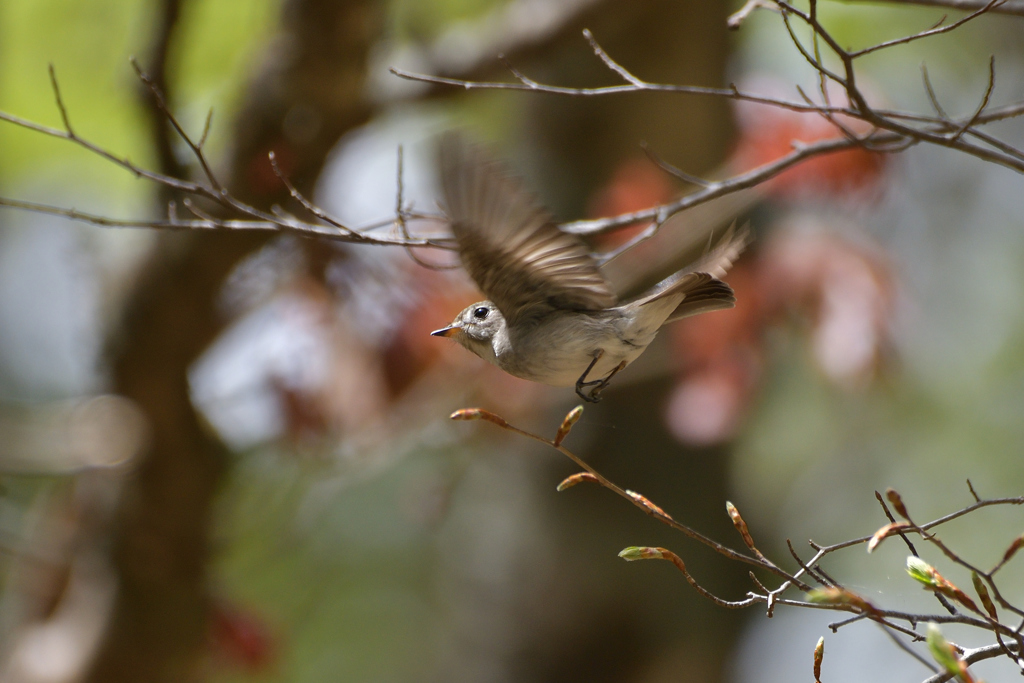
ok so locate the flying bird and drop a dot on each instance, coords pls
(550, 315)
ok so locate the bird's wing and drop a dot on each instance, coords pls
(509, 244)
(719, 260)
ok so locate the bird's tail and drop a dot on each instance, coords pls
(699, 284)
(706, 295)
(700, 293)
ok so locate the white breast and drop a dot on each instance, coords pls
(558, 350)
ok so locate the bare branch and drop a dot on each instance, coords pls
(847, 133)
(822, 79)
(814, 62)
(533, 86)
(206, 129)
(70, 135)
(670, 169)
(161, 104)
(630, 554)
(529, 83)
(642, 236)
(278, 224)
(909, 650)
(970, 657)
(400, 218)
(737, 18)
(611, 63)
(1014, 7)
(806, 568)
(930, 525)
(60, 103)
(635, 499)
(161, 133)
(931, 93)
(930, 32)
(939, 130)
(984, 100)
(298, 196)
(734, 184)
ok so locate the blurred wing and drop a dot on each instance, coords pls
(685, 238)
(719, 260)
(509, 245)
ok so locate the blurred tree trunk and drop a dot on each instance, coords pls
(661, 41)
(308, 92)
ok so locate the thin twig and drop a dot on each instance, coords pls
(1019, 500)
(984, 100)
(970, 657)
(298, 196)
(724, 187)
(672, 170)
(930, 32)
(60, 103)
(637, 500)
(211, 223)
(931, 93)
(737, 18)
(647, 233)
(206, 129)
(161, 103)
(836, 625)
(807, 567)
(1013, 7)
(611, 63)
(906, 648)
(403, 224)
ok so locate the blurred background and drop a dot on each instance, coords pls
(228, 458)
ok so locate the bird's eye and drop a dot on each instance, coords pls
(481, 313)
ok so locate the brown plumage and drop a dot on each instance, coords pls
(551, 316)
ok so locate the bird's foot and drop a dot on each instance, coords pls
(595, 394)
(582, 383)
(599, 384)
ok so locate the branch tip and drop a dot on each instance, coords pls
(634, 553)
(577, 478)
(478, 414)
(819, 655)
(897, 503)
(885, 532)
(740, 524)
(570, 419)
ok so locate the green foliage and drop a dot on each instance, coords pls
(88, 44)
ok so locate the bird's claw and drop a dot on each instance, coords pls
(599, 384)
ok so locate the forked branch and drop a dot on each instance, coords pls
(821, 591)
(231, 213)
(889, 131)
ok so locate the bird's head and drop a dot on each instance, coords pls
(475, 328)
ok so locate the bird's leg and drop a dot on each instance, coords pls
(582, 382)
(599, 384)
(595, 393)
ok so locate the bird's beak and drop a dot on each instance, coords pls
(445, 332)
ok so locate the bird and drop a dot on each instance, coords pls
(550, 315)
